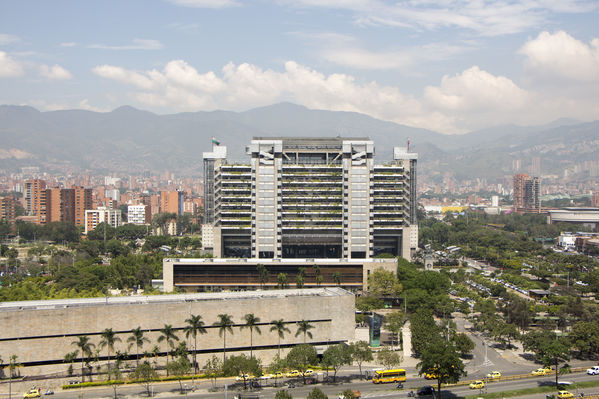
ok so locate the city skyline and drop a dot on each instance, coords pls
(452, 67)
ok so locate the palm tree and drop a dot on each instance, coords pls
(194, 326)
(108, 340)
(224, 324)
(279, 327)
(86, 351)
(137, 338)
(304, 326)
(251, 322)
(168, 334)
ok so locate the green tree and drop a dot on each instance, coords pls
(463, 344)
(251, 323)
(194, 326)
(301, 357)
(361, 352)
(424, 330)
(394, 321)
(282, 281)
(224, 324)
(367, 303)
(213, 366)
(114, 378)
(317, 274)
(584, 337)
(441, 359)
(337, 278)
(144, 374)
(86, 348)
(281, 329)
(178, 368)
(383, 283)
(262, 274)
(336, 356)
(555, 352)
(283, 394)
(316, 394)
(161, 221)
(299, 281)
(388, 358)
(505, 333)
(304, 327)
(167, 333)
(137, 338)
(241, 365)
(107, 341)
(349, 394)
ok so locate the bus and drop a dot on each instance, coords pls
(395, 375)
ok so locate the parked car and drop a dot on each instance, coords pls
(494, 375)
(593, 370)
(426, 390)
(243, 377)
(478, 384)
(293, 373)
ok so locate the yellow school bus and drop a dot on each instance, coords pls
(395, 375)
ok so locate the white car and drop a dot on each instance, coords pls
(593, 370)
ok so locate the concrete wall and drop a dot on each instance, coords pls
(44, 331)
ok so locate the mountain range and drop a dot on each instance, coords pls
(128, 140)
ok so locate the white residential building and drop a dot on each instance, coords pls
(93, 217)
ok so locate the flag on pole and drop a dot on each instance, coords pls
(215, 141)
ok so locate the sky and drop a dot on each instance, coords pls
(452, 66)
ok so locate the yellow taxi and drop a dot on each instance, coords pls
(541, 371)
(32, 393)
(278, 375)
(494, 375)
(308, 372)
(478, 384)
(564, 395)
(294, 373)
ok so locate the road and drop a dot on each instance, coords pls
(367, 388)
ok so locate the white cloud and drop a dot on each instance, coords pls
(8, 67)
(486, 17)
(463, 102)
(6, 38)
(138, 44)
(206, 3)
(68, 44)
(124, 76)
(560, 55)
(55, 72)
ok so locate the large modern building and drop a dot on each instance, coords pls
(41, 333)
(311, 198)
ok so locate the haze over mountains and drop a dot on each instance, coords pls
(131, 141)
